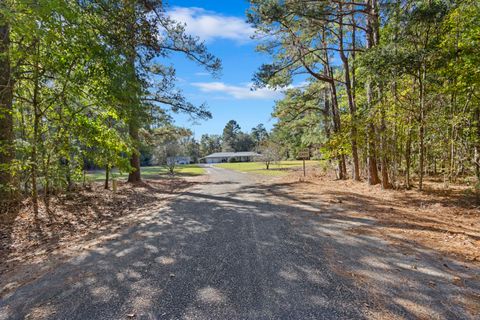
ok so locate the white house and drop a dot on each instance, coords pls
(220, 157)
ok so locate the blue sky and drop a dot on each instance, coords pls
(221, 24)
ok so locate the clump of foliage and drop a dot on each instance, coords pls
(270, 152)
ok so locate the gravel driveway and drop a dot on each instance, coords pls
(230, 248)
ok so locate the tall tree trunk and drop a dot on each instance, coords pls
(34, 160)
(421, 161)
(353, 125)
(383, 148)
(46, 176)
(477, 144)
(134, 176)
(134, 123)
(326, 113)
(36, 127)
(408, 155)
(452, 138)
(373, 178)
(372, 35)
(342, 167)
(107, 176)
(337, 128)
(7, 150)
(396, 150)
(421, 130)
(375, 26)
(351, 102)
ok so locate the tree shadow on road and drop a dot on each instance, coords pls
(232, 252)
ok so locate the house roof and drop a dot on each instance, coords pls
(232, 154)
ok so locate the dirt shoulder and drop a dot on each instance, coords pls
(76, 221)
(447, 221)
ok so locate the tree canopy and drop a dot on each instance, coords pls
(82, 83)
(392, 91)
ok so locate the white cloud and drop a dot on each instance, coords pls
(202, 74)
(239, 92)
(208, 25)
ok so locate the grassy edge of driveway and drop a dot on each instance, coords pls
(276, 169)
(151, 172)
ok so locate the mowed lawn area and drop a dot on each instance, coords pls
(153, 172)
(276, 169)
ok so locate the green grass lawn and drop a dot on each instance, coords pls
(276, 169)
(153, 172)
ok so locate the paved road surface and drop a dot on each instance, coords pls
(231, 248)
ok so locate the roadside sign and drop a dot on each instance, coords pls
(304, 155)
